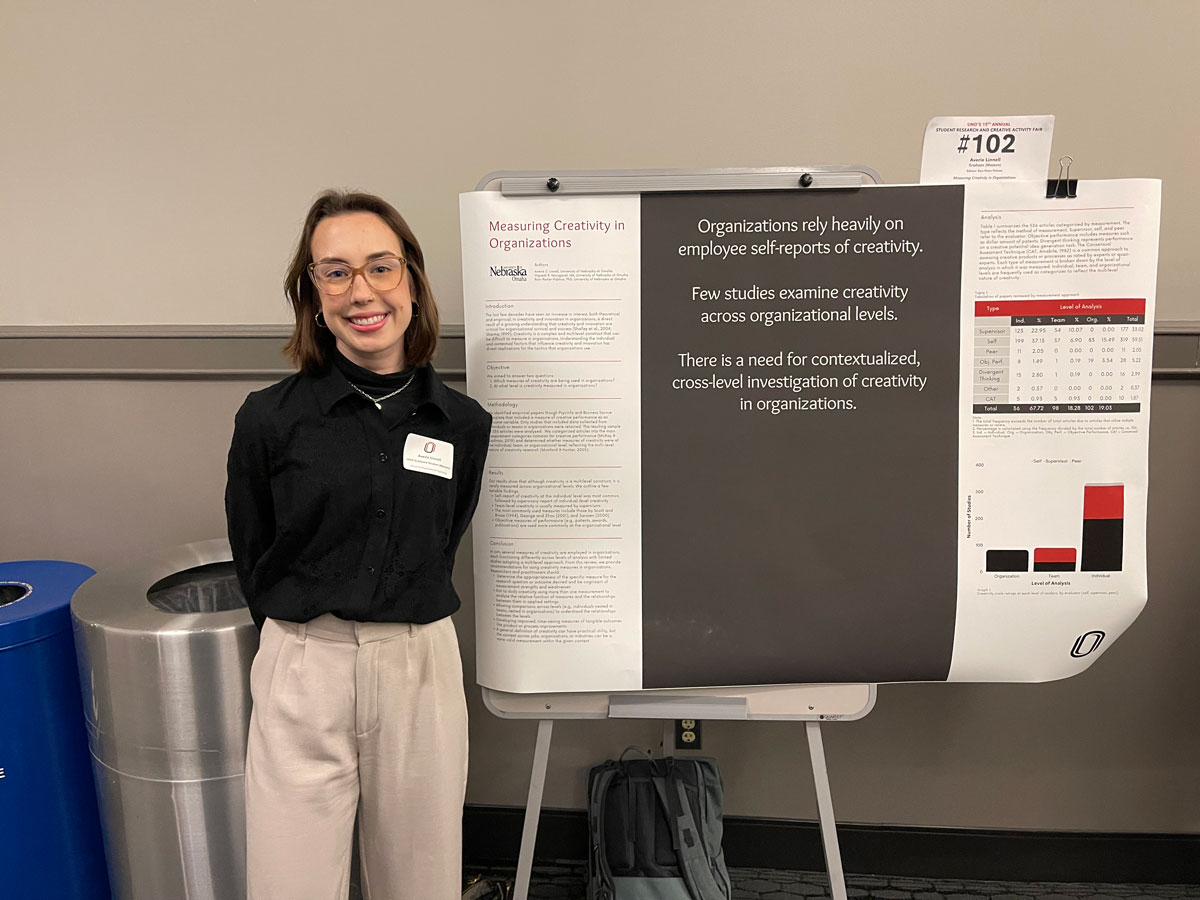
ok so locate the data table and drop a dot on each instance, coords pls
(1060, 356)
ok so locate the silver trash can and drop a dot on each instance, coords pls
(165, 647)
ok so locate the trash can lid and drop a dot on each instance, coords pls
(179, 591)
(35, 598)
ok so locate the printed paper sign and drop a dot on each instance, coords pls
(974, 148)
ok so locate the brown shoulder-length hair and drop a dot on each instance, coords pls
(308, 347)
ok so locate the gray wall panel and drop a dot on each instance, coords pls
(101, 471)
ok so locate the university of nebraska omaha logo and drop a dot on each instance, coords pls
(516, 273)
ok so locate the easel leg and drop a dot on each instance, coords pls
(833, 854)
(533, 810)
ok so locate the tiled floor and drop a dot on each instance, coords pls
(567, 881)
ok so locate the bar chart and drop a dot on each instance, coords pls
(1101, 540)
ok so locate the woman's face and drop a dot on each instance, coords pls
(368, 324)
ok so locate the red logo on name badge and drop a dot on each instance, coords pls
(430, 446)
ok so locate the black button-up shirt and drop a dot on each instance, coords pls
(326, 513)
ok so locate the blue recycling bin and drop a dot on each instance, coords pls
(51, 846)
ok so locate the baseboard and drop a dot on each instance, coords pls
(492, 837)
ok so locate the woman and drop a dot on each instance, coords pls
(350, 486)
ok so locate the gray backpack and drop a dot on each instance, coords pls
(655, 830)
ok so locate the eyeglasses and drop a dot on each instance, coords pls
(382, 274)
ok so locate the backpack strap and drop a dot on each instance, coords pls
(686, 837)
(598, 789)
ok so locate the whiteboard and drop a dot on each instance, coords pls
(812, 702)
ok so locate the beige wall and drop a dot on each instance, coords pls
(157, 157)
(98, 472)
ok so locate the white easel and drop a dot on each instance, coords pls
(811, 704)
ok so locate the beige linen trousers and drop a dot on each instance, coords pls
(356, 717)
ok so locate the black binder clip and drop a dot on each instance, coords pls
(1064, 185)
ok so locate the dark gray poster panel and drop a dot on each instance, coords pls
(799, 435)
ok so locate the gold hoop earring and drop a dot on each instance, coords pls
(317, 319)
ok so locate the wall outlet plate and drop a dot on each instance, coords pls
(687, 734)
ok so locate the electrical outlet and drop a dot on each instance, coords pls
(687, 734)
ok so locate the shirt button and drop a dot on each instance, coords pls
(383, 457)
(370, 570)
(380, 513)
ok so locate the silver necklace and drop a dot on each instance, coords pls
(379, 400)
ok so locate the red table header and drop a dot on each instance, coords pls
(1113, 306)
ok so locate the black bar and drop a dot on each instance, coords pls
(1053, 566)
(1008, 560)
(1122, 319)
(1063, 408)
(1103, 541)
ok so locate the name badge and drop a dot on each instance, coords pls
(423, 454)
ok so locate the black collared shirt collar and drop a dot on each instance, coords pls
(331, 386)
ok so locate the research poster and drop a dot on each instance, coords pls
(1055, 348)
(782, 437)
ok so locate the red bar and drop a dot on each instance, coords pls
(1054, 554)
(1116, 306)
(1104, 501)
